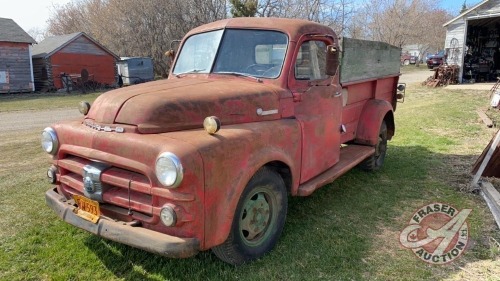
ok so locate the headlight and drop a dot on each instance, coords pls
(168, 216)
(169, 169)
(52, 174)
(49, 141)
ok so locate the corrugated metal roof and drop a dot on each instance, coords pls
(10, 31)
(52, 44)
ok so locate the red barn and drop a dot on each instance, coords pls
(67, 55)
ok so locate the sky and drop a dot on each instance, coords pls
(454, 6)
(31, 14)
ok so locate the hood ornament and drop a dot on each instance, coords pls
(97, 127)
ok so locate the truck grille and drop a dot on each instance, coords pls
(115, 179)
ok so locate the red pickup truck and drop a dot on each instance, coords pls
(253, 111)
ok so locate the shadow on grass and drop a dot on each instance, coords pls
(327, 235)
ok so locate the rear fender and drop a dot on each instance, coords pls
(374, 112)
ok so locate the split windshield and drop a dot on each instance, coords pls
(257, 53)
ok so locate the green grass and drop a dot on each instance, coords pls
(42, 101)
(347, 230)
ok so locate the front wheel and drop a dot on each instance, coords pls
(376, 161)
(258, 220)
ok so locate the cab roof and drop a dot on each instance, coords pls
(294, 28)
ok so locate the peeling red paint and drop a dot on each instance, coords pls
(300, 136)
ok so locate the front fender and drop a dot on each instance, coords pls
(374, 112)
(231, 157)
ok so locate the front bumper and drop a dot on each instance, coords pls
(138, 237)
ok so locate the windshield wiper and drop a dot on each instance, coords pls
(189, 71)
(239, 74)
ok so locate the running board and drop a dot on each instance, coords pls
(350, 156)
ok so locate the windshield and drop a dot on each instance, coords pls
(256, 53)
(198, 53)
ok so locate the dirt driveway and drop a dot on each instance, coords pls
(415, 76)
(27, 120)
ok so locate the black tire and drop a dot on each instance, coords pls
(265, 197)
(376, 161)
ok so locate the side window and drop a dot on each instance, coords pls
(311, 61)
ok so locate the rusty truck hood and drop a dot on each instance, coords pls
(180, 104)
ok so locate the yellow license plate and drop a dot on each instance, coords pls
(87, 208)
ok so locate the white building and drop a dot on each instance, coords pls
(475, 33)
(413, 50)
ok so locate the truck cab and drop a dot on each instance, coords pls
(254, 110)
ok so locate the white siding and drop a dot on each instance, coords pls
(456, 30)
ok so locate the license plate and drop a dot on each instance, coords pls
(88, 209)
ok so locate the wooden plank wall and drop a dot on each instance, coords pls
(82, 45)
(101, 69)
(80, 54)
(43, 81)
(15, 61)
(362, 60)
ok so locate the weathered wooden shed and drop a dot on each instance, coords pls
(67, 55)
(472, 38)
(16, 71)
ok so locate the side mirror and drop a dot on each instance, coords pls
(332, 59)
(170, 54)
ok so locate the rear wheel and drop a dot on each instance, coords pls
(376, 161)
(258, 220)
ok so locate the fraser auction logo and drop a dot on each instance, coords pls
(437, 233)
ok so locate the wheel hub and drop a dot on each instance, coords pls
(255, 218)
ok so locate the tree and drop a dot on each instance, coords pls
(37, 33)
(402, 22)
(243, 8)
(464, 7)
(146, 28)
(135, 28)
(334, 13)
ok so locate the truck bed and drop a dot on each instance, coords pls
(364, 60)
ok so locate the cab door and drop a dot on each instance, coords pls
(318, 106)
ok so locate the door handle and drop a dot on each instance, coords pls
(337, 94)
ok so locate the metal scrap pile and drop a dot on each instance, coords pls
(444, 75)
